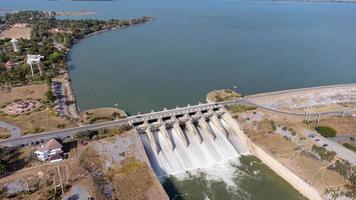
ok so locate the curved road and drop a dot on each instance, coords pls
(14, 131)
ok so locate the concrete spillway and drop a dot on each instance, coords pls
(179, 131)
(187, 157)
(219, 125)
(152, 140)
(168, 140)
(191, 128)
(205, 126)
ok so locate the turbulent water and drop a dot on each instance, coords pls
(194, 156)
(213, 169)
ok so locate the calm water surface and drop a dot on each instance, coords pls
(195, 46)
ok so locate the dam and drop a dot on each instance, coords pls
(189, 141)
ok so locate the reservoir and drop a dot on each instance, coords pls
(194, 46)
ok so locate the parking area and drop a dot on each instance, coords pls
(331, 145)
(61, 100)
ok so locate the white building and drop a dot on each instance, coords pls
(15, 44)
(51, 150)
(34, 59)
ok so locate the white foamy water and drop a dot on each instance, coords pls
(214, 158)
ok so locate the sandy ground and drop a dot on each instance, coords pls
(75, 13)
(16, 32)
(23, 92)
(302, 98)
(295, 153)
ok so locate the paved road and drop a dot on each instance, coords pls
(334, 112)
(303, 89)
(14, 131)
(333, 146)
(141, 118)
(343, 138)
(130, 120)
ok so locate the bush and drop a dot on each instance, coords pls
(323, 153)
(85, 135)
(240, 108)
(91, 121)
(350, 146)
(50, 96)
(61, 126)
(326, 131)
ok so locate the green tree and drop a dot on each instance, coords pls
(50, 96)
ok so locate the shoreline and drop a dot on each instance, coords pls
(68, 51)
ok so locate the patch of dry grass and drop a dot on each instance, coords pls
(343, 125)
(132, 180)
(4, 133)
(37, 121)
(222, 95)
(16, 32)
(23, 92)
(291, 154)
(101, 115)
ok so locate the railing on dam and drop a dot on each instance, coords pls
(69, 132)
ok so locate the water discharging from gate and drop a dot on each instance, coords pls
(196, 155)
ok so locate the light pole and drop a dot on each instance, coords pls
(235, 88)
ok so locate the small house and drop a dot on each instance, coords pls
(50, 151)
(15, 44)
(10, 64)
(34, 59)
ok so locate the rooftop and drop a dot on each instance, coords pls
(52, 144)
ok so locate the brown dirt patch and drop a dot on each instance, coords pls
(16, 32)
(132, 180)
(129, 177)
(4, 133)
(22, 92)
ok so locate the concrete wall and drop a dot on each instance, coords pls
(296, 182)
(163, 195)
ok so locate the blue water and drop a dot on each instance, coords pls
(195, 46)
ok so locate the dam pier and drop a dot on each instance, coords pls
(192, 140)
